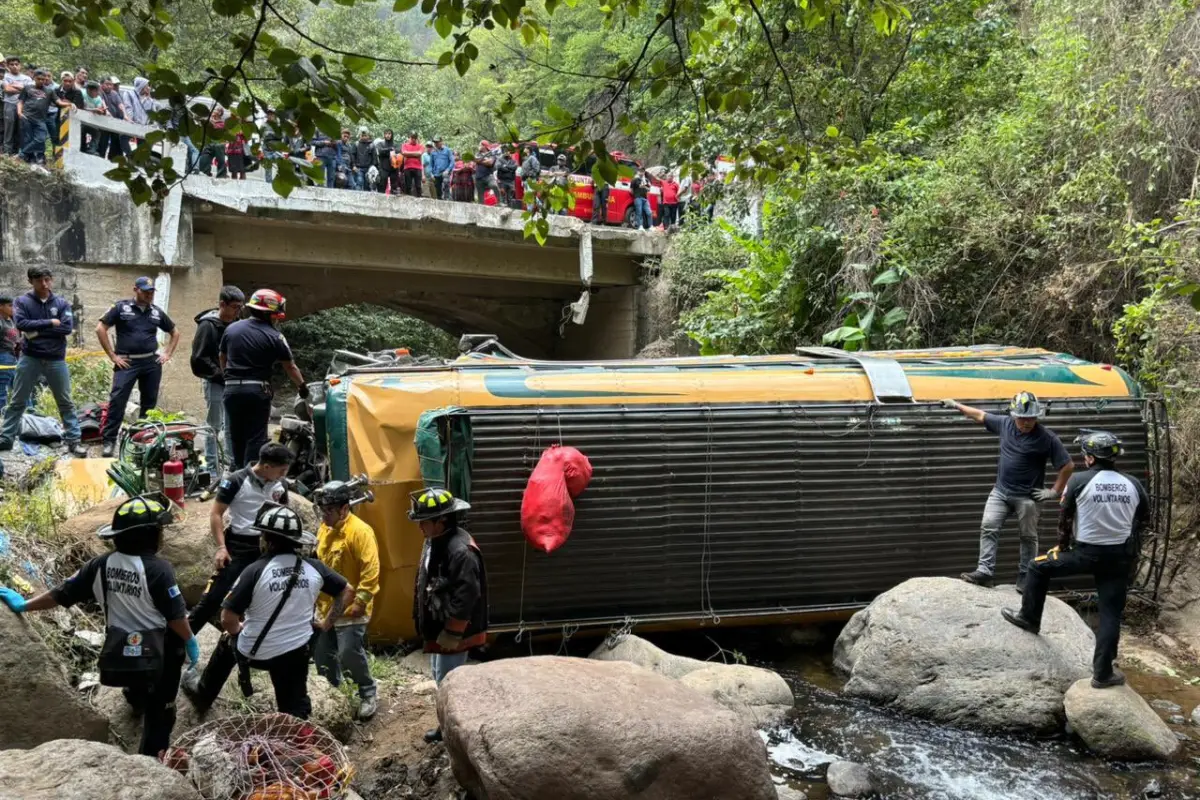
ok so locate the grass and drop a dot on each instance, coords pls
(91, 380)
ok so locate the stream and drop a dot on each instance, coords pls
(915, 759)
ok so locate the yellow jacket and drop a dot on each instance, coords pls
(350, 551)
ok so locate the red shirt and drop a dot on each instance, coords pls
(670, 192)
(412, 152)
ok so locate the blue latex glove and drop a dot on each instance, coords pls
(13, 600)
(193, 651)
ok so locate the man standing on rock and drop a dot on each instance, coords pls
(1025, 447)
(1104, 510)
(451, 592)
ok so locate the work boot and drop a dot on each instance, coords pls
(107, 450)
(76, 449)
(368, 707)
(1016, 619)
(190, 684)
(978, 578)
(434, 735)
(1117, 678)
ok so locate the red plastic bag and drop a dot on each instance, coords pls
(547, 511)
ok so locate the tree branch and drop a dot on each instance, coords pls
(779, 63)
(292, 27)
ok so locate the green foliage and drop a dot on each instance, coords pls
(361, 328)
(91, 381)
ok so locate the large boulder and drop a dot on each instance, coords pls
(1117, 723)
(187, 544)
(938, 648)
(332, 709)
(760, 695)
(71, 769)
(37, 704)
(849, 779)
(578, 729)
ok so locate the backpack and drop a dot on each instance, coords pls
(91, 421)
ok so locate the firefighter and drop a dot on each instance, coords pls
(347, 545)
(136, 360)
(450, 608)
(146, 631)
(240, 495)
(1025, 447)
(269, 611)
(249, 350)
(1103, 512)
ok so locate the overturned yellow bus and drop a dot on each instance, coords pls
(731, 490)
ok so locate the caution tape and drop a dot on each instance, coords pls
(69, 357)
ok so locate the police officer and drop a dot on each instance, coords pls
(240, 495)
(136, 359)
(249, 350)
(269, 612)
(450, 609)
(347, 545)
(1104, 511)
(1025, 447)
(146, 629)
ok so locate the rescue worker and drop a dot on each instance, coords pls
(269, 612)
(206, 365)
(1025, 447)
(146, 629)
(347, 545)
(450, 608)
(136, 360)
(1104, 511)
(240, 495)
(248, 352)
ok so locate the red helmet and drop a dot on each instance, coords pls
(268, 300)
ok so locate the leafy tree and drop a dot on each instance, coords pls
(361, 328)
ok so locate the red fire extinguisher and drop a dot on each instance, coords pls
(172, 474)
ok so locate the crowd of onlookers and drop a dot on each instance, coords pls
(35, 101)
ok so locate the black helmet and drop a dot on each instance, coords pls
(333, 493)
(136, 512)
(434, 503)
(1099, 444)
(281, 521)
(1025, 405)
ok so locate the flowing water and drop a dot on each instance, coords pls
(914, 759)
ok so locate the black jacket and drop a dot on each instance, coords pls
(206, 361)
(506, 169)
(451, 585)
(364, 155)
(384, 152)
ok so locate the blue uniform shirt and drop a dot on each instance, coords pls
(251, 347)
(1023, 456)
(137, 327)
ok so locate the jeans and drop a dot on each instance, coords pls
(12, 129)
(441, 185)
(29, 370)
(997, 510)
(214, 399)
(670, 214)
(247, 412)
(481, 187)
(1110, 565)
(641, 213)
(600, 206)
(146, 373)
(193, 155)
(357, 179)
(330, 163)
(445, 663)
(8, 363)
(34, 132)
(267, 166)
(214, 151)
(412, 182)
(344, 647)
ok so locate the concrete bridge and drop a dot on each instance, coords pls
(460, 266)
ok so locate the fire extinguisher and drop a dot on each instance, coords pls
(172, 478)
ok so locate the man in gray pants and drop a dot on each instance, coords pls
(1025, 447)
